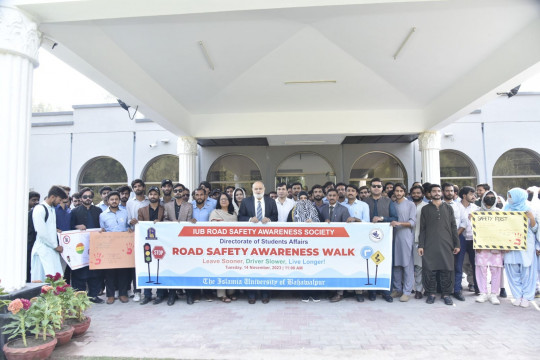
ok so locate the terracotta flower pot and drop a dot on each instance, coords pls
(80, 327)
(41, 351)
(63, 336)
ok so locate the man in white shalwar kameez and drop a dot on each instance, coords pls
(45, 258)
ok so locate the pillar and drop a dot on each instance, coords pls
(19, 45)
(430, 145)
(187, 158)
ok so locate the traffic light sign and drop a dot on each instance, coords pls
(147, 253)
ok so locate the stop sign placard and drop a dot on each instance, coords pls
(158, 252)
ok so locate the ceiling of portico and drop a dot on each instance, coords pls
(460, 55)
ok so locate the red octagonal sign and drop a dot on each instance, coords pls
(158, 252)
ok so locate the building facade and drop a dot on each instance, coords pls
(97, 145)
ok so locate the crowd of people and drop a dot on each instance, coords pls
(431, 222)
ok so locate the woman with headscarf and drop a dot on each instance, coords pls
(520, 266)
(491, 258)
(305, 211)
(238, 195)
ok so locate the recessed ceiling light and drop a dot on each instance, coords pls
(310, 82)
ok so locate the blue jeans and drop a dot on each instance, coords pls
(465, 247)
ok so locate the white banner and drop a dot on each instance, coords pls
(76, 245)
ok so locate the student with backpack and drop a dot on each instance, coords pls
(46, 251)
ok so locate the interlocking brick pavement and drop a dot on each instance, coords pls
(287, 328)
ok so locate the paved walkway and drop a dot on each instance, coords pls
(287, 328)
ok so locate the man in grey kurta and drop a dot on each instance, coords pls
(403, 244)
(437, 243)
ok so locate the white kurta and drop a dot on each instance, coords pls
(45, 259)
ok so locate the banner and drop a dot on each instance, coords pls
(75, 244)
(111, 250)
(243, 255)
(501, 230)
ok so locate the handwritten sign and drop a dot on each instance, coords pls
(501, 230)
(111, 250)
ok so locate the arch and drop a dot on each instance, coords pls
(516, 168)
(161, 167)
(377, 164)
(308, 168)
(102, 171)
(234, 169)
(457, 168)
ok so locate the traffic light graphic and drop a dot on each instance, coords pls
(148, 259)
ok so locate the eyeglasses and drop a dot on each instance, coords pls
(178, 191)
(87, 197)
(376, 186)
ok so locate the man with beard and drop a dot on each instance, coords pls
(417, 197)
(115, 219)
(86, 217)
(381, 209)
(124, 192)
(153, 212)
(45, 257)
(201, 207)
(296, 188)
(166, 187)
(342, 192)
(258, 208)
(132, 206)
(33, 199)
(438, 242)
(205, 185)
(318, 196)
(76, 200)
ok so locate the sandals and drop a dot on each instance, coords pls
(225, 299)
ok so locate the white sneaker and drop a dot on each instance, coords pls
(481, 298)
(524, 303)
(494, 300)
(516, 302)
(137, 297)
(116, 294)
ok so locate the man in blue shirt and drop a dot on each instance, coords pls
(359, 210)
(115, 219)
(205, 185)
(201, 208)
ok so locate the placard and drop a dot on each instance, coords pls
(75, 246)
(111, 250)
(501, 230)
(263, 256)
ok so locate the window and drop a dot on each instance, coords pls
(457, 169)
(102, 171)
(306, 168)
(233, 170)
(160, 168)
(377, 164)
(516, 168)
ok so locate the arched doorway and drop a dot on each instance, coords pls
(307, 168)
(233, 170)
(102, 171)
(377, 164)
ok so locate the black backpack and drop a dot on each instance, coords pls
(31, 230)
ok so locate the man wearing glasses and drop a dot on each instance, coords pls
(85, 217)
(381, 209)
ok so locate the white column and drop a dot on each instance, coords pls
(187, 157)
(430, 145)
(19, 45)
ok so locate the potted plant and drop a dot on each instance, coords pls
(79, 304)
(27, 315)
(65, 294)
